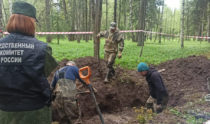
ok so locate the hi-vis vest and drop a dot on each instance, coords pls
(23, 84)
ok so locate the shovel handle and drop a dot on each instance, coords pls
(86, 78)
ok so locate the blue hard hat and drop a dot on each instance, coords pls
(142, 67)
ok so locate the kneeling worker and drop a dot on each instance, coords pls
(158, 93)
(64, 87)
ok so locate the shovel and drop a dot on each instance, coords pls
(87, 81)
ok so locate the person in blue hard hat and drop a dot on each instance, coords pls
(158, 94)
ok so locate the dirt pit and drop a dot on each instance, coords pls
(185, 80)
(126, 89)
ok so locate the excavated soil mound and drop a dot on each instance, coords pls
(186, 78)
(126, 89)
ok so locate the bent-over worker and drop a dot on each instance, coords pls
(64, 86)
(158, 93)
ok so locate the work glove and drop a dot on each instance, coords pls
(119, 55)
(98, 35)
(89, 85)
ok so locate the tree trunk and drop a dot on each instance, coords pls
(208, 21)
(131, 19)
(157, 24)
(79, 19)
(97, 14)
(1, 19)
(165, 27)
(86, 20)
(73, 11)
(142, 14)
(187, 20)
(47, 20)
(115, 11)
(170, 29)
(66, 17)
(10, 6)
(107, 14)
(125, 14)
(83, 17)
(174, 22)
(57, 23)
(202, 24)
(182, 25)
(161, 23)
(119, 15)
(90, 18)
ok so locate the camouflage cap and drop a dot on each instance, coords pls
(24, 8)
(113, 25)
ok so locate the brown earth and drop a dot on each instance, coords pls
(126, 89)
(185, 80)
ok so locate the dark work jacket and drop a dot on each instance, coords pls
(23, 82)
(156, 85)
(67, 72)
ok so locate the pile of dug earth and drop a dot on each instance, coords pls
(183, 78)
(186, 81)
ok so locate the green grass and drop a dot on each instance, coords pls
(190, 119)
(153, 53)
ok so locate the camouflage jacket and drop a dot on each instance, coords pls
(112, 41)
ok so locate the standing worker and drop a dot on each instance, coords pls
(113, 39)
(25, 62)
(158, 94)
(64, 86)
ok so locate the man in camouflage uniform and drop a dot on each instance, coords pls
(64, 85)
(113, 39)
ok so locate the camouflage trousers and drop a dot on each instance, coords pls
(65, 108)
(40, 116)
(110, 59)
(152, 103)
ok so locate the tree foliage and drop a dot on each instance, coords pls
(76, 15)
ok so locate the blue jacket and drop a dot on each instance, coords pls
(67, 72)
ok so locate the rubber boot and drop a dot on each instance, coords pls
(106, 80)
(112, 73)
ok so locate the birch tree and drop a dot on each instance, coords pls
(182, 25)
(142, 13)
